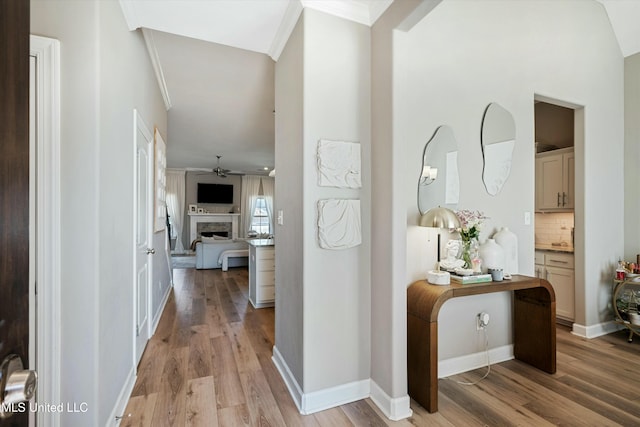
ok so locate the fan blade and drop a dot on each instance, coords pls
(199, 169)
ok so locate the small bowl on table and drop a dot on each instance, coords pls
(463, 271)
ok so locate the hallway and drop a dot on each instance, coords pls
(209, 363)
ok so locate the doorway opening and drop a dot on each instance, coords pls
(559, 147)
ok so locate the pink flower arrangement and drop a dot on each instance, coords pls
(470, 223)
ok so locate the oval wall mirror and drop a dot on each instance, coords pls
(498, 138)
(438, 184)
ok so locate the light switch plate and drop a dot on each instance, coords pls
(280, 217)
(527, 218)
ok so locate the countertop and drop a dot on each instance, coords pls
(553, 248)
(258, 243)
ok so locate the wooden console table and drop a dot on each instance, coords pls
(534, 328)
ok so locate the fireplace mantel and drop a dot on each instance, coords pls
(213, 217)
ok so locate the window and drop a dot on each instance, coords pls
(260, 218)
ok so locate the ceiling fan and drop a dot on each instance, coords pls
(218, 170)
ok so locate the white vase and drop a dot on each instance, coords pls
(491, 254)
(509, 242)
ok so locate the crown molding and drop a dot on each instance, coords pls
(157, 66)
(366, 13)
(352, 11)
(130, 14)
(376, 9)
(363, 12)
(288, 23)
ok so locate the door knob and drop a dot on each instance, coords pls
(151, 251)
(17, 385)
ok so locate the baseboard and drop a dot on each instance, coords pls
(335, 396)
(595, 331)
(123, 398)
(309, 403)
(292, 385)
(469, 362)
(395, 409)
(158, 314)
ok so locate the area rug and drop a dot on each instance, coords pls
(183, 261)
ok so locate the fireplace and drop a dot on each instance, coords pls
(210, 228)
(214, 233)
(219, 224)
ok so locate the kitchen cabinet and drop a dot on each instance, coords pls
(558, 269)
(555, 171)
(262, 273)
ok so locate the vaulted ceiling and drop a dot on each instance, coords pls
(215, 62)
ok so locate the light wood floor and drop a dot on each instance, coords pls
(209, 364)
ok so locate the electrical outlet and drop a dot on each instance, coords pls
(482, 320)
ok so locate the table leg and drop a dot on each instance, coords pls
(534, 328)
(422, 362)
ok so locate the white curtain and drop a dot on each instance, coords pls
(250, 189)
(268, 185)
(175, 204)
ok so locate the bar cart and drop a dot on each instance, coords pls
(626, 303)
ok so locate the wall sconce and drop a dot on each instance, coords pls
(428, 175)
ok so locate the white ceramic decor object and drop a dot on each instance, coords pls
(509, 242)
(491, 254)
(438, 277)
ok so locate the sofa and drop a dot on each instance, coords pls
(208, 252)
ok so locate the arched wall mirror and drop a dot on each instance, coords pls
(498, 137)
(439, 184)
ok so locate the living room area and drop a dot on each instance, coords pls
(212, 216)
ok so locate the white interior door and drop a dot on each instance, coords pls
(143, 230)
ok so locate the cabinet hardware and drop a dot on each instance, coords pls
(558, 198)
(564, 195)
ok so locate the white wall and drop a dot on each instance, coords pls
(388, 254)
(288, 199)
(105, 74)
(448, 68)
(79, 202)
(323, 296)
(336, 283)
(631, 156)
(126, 82)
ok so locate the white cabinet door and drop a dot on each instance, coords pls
(568, 181)
(563, 282)
(555, 180)
(549, 179)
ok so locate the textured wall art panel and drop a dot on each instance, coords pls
(339, 225)
(339, 164)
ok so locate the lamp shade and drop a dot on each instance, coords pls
(440, 218)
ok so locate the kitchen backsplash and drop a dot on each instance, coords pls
(554, 227)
